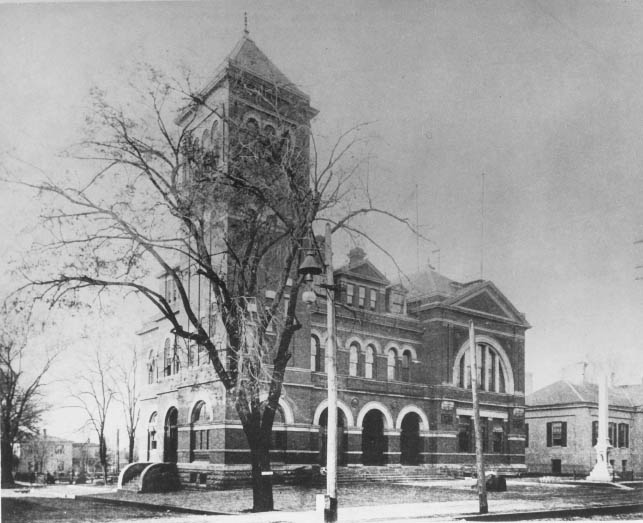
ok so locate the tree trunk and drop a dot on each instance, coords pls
(130, 456)
(102, 453)
(262, 499)
(7, 464)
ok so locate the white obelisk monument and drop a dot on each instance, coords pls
(602, 471)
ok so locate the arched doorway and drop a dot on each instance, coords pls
(171, 436)
(374, 444)
(410, 439)
(342, 437)
(279, 439)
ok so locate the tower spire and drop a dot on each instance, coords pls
(245, 23)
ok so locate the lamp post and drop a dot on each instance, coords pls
(310, 268)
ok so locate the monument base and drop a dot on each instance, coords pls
(602, 471)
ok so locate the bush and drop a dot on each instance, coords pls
(81, 479)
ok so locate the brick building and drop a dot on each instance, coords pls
(403, 364)
(562, 427)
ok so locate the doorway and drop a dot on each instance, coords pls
(171, 439)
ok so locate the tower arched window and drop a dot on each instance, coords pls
(315, 354)
(353, 358)
(369, 362)
(151, 368)
(391, 370)
(205, 139)
(167, 357)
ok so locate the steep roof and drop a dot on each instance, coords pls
(429, 283)
(564, 392)
(248, 57)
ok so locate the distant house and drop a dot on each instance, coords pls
(562, 428)
(46, 453)
(58, 456)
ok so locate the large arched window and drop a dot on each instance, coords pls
(353, 356)
(315, 354)
(492, 375)
(369, 362)
(392, 365)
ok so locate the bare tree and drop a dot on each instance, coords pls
(95, 395)
(21, 382)
(235, 213)
(128, 397)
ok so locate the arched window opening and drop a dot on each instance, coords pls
(352, 359)
(205, 139)
(151, 368)
(369, 363)
(315, 354)
(151, 434)
(406, 366)
(200, 436)
(176, 361)
(392, 365)
(167, 357)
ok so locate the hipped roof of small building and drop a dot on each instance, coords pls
(565, 392)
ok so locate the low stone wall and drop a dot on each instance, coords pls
(207, 476)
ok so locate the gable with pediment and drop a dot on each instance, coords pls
(488, 300)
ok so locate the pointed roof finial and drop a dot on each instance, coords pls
(245, 23)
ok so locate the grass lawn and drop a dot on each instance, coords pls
(39, 510)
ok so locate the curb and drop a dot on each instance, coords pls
(556, 513)
(152, 506)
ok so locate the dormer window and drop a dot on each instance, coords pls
(350, 289)
(362, 296)
(396, 302)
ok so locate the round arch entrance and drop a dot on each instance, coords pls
(410, 439)
(342, 437)
(374, 443)
(171, 436)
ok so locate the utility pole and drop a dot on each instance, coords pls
(118, 451)
(482, 488)
(330, 509)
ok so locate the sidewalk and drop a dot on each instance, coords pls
(55, 491)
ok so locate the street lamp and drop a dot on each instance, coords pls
(309, 268)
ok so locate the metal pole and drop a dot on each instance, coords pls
(330, 509)
(482, 488)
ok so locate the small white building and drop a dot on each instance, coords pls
(562, 428)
